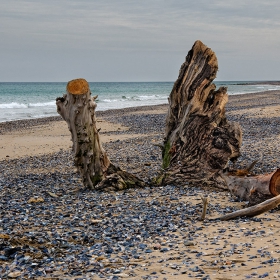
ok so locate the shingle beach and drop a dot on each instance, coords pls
(52, 228)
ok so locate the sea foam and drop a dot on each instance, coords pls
(44, 104)
(13, 105)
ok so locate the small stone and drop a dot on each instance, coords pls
(142, 246)
(173, 266)
(14, 274)
(52, 194)
(189, 243)
(163, 250)
(157, 246)
(95, 221)
(4, 236)
(10, 251)
(123, 275)
(266, 274)
(195, 269)
(35, 200)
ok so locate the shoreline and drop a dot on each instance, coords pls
(24, 123)
(52, 228)
(33, 121)
(47, 135)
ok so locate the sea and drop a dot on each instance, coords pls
(25, 100)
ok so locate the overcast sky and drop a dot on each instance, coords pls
(126, 40)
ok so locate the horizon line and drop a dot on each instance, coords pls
(137, 81)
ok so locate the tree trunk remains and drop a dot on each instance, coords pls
(77, 108)
(199, 140)
(254, 189)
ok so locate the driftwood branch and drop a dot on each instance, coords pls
(253, 210)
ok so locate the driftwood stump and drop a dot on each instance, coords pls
(254, 189)
(199, 140)
(77, 108)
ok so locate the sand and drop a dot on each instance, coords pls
(48, 138)
(241, 249)
(54, 136)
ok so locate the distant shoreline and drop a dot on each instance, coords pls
(32, 121)
(236, 82)
(35, 100)
(274, 83)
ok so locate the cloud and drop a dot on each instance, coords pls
(156, 28)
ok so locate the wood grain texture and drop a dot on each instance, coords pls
(77, 108)
(199, 140)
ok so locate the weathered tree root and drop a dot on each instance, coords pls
(118, 179)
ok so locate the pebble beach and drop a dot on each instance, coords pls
(52, 228)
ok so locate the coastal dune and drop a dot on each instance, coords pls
(53, 228)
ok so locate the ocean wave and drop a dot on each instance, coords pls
(44, 104)
(144, 97)
(13, 105)
(134, 98)
(109, 100)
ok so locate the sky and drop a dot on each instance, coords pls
(127, 40)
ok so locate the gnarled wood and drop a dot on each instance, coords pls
(77, 108)
(199, 140)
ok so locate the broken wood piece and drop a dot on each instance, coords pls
(204, 209)
(253, 210)
(254, 189)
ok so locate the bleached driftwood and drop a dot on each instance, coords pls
(253, 210)
(77, 108)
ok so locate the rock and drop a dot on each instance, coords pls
(95, 221)
(156, 246)
(14, 274)
(189, 243)
(35, 200)
(52, 194)
(4, 236)
(123, 275)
